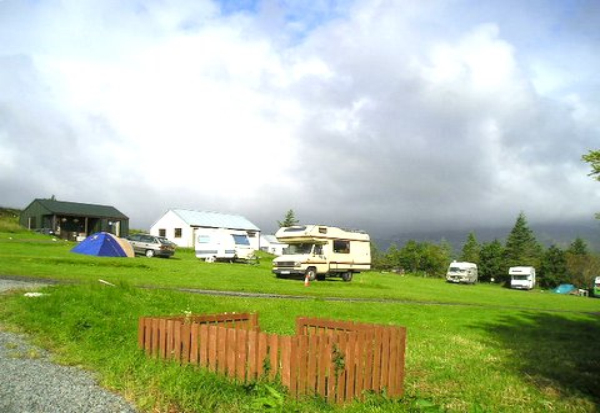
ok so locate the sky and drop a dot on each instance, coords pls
(389, 116)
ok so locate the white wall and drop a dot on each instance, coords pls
(170, 221)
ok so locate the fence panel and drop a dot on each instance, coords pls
(337, 360)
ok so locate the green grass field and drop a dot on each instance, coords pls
(478, 348)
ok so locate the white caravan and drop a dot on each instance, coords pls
(317, 251)
(522, 278)
(462, 272)
(214, 244)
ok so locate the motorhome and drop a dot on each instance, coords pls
(213, 244)
(462, 272)
(596, 287)
(317, 251)
(522, 278)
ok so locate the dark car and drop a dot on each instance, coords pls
(151, 245)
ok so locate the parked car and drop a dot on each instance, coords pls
(151, 245)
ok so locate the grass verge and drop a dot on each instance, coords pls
(459, 358)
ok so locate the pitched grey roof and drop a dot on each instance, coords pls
(215, 220)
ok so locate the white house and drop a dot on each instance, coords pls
(179, 226)
(270, 244)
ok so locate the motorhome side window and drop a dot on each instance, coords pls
(341, 247)
(203, 239)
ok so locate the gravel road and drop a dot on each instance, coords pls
(31, 383)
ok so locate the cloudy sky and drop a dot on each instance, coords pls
(385, 115)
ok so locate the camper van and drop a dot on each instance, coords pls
(462, 272)
(317, 251)
(213, 244)
(522, 278)
(596, 287)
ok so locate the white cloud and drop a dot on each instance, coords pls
(390, 115)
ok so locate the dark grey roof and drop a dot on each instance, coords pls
(79, 209)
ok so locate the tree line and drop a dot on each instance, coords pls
(554, 265)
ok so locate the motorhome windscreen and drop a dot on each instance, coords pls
(241, 239)
(298, 249)
(457, 269)
(519, 277)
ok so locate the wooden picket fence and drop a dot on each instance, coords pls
(337, 360)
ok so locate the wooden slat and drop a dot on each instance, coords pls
(194, 335)
(293, 375)
(376, 370)
(351, 360)
(262, 354)
(186, 337)
(162, 338)
(274, 350)
(213, 332)
(252, 342)
(341, 373)
(231, 344)
(241, 362)
(202, 344)
(360, 354)
(169, 339)
(302, 363)
(222, 350)
(177, 340)
(286, 360)
(324, 360)
(385, 357)
(313, 363)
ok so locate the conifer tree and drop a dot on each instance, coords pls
(521, 246)
(289, 220)
(471, 249)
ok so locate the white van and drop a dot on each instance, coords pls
(522, 278)
(214, 244)
(462, 272)
(317, 251)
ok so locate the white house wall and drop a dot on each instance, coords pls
(169, 222)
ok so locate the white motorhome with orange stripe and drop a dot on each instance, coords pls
(317, 251)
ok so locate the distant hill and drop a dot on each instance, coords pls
(561, 235)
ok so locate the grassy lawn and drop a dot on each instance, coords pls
(502, 351)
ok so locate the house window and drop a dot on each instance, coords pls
(162, 232)
(341, 247)
(177, 232)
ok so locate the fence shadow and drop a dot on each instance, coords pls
(553, 350)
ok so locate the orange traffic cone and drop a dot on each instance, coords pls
(306, 283)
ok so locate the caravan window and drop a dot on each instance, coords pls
(203, 239)
(240, 239)
(341, 247)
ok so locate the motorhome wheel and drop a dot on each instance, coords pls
(311, 273)
(347, 276)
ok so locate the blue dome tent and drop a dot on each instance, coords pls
(104, 244)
